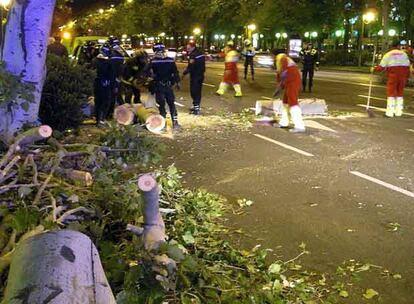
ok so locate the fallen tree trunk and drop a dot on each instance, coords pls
(83, 178)
(58, 267)
(150, 117)
(126, 114)
(154, 227)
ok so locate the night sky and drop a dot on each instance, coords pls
(81, 6)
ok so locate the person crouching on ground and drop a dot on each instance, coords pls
(289, 80)
(231, 73)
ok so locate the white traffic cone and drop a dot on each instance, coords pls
(299, 125)
(391, 102)
(399, 106)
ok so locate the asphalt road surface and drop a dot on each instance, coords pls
(340, 188)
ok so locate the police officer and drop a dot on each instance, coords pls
(310, 60)
(248, 53)
(133, 76)
(117, 60)
(165, 74)
(103, 84)
(196, 68)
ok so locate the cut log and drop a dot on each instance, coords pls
(58, 267)
(154, 228)
(150, 117)
(82, 178)
(124, 115)
(27, 138)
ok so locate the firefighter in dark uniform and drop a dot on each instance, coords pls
(133, 76)
(248, 52)
(117, 60)
(310, 61)
(165, 75)
(103, 84)
(196, 68)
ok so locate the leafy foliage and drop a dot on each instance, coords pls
(13, 88)
(65, 92)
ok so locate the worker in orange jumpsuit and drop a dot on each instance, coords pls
(397, 65)
(231, 72)
(289, 80)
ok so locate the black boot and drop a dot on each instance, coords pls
(176, 125)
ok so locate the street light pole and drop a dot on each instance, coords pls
(361, 39)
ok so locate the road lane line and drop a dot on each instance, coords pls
(284, 145)
(316, 125)
(372, 97)
(209, 85)
(410, 130)
(381, 183)
(179, 104)
(382, 109)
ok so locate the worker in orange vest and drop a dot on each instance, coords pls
(231, 72)
(397, 65)
(289, 80)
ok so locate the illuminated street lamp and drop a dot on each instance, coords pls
(367, 18)
(232, 36)
(197, 31)
(314, 34)
(250, 29)
(222, 37)
(380, 32)
(338, 33)
(284, 35)
(101, 11)
(66, 35)
(216, 36)
(5, 3)
(130, 1)
(392, 32)
(307, 34)
(278, 35)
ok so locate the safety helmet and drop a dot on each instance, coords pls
(112, 41)
(247, 42)
(105, 50)
(158, 47)
(230, 43)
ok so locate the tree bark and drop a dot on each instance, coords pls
(58, 267)
(24, 53)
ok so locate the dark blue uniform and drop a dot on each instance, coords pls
(165, 74)
(117, 61)
(196, 68)
(103, 87)
(310, 60)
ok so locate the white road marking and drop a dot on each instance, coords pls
(410, 130)
(179, 104)
(382, 109)
(372, 97)
(316, 125)
(381, 183)
(284, 145)
(267, 98)
(209, 85)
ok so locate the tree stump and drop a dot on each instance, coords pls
(57, 267)
(150, 117)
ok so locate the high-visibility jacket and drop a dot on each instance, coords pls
(289, 77)
(395, 62)
(231, 75)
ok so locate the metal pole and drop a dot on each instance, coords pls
(361, 39)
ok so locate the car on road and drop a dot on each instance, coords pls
(172, 53)
(265, 60)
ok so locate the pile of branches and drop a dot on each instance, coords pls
(93, 188)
